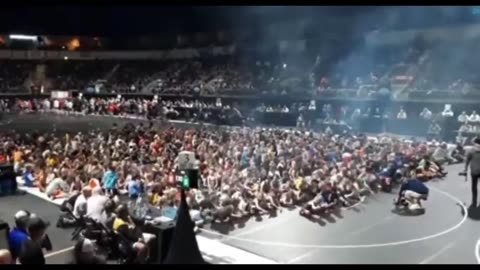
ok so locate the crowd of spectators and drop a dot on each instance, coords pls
(300, 114)
(13, 75)
(243, 171)
(232, 75)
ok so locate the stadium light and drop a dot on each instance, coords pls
(23, 37)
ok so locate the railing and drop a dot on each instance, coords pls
(340, 96)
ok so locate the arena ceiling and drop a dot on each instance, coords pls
(140, 20)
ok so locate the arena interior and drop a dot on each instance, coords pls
(243, 135)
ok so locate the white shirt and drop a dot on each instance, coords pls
(55, 184)
(447, 113)
(46, 104)
(474, 118)
(462, 118)
(80, 207)
(426, 114)
(96, 207)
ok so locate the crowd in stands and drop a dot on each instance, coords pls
(304, 114)
(230, 75)
(13, 75)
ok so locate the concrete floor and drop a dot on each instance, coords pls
(369, 233)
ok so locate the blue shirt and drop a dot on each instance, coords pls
(110, 179)
(415, 185)
(170, 212)
(15, 239)
(332, 156)
(28, 178)
(134, 188)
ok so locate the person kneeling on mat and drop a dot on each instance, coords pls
(412, 192)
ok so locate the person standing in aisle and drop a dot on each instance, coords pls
(473, 161)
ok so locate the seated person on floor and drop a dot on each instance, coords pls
(41, 177)
(458, 153)
(368, 176)
(346, 191)
(28, 177)
(263, 203)
(221, 213)
(58, 187)
(129, 228)
(361, 187)
(387, 176)
(287, 197)
(323, 203)
(441, 155)
(134, 186)
(155, 195)
(110, 179)
(109, 214)
(411, 193)
(429, 169)
(76, 186)
(241, 207)
(67, 207)
(96, 204)
(170, 210)
(76, 204)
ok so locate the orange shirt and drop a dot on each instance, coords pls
(93, 183)
(17, 156)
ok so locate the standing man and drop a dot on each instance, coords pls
(31, 251)
(473, 159)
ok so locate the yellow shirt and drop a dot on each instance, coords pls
(154, 198)
(51, 161)
(117, 223)
(298, 182)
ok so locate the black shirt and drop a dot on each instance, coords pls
(31, 253)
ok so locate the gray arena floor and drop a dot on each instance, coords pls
(371, 233)
(368, 233)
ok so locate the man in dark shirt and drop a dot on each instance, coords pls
(31, 250)
(473, 161)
